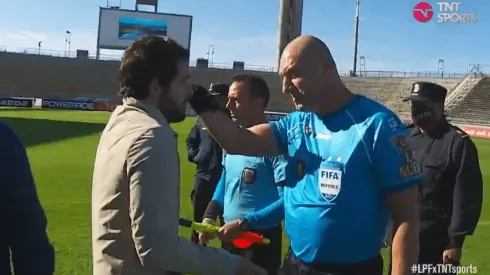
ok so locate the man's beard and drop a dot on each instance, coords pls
(173, 115)
(171, 111)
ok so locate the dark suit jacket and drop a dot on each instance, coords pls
(23, 230)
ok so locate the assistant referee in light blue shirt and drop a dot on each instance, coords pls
(250, 189)
(349, 167)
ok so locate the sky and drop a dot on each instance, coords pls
(390, 39)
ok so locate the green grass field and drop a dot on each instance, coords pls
(61, 147)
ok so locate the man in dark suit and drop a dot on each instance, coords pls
(24, 245)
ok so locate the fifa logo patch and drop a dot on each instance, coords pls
(329, 183)
(249, 175)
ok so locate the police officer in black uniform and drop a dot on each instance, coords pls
(206, 154)
(452, 190)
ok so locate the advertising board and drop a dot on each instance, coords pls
(68, 105)
(477, 132)
(118, 28)
(15, 102)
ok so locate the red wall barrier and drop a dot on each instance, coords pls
(476, 132)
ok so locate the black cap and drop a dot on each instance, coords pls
(218, 89)
(427, 91)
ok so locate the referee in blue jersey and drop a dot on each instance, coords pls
(350, 167)
(250, 189)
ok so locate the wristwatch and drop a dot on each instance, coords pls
(243, 225)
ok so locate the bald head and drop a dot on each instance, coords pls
(308, 49)
(310, 76)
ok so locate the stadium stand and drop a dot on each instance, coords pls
(56, 77)
(473, 106)
(33, 75)
(391, 91)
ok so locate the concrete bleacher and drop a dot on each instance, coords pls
(66, 78)
(391, 91)
(473, 108)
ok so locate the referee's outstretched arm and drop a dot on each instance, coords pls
(468, 192)
(258, 140)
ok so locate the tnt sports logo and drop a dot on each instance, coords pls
(448, 12)
(329, 183)
(423, 12)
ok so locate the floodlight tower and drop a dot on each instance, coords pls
(290, 19)
(356, 40)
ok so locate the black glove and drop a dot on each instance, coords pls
(219, 89)
(201, 101)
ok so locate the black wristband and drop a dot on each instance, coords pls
(202, 101)
(213, 210)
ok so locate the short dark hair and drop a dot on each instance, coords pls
(148, 58)
(256, 85)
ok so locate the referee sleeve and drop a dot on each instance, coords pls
(280, 130)
(392, 156)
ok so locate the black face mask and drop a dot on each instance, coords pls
(422, 115)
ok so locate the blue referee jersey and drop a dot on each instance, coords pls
(341, 167)
(251, 188)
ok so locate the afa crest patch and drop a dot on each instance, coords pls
(300, 169)
(249, 175)
(400, 143)
(308, 130)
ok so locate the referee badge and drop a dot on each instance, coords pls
(249, 175)
(308, 130)
(300, 169)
